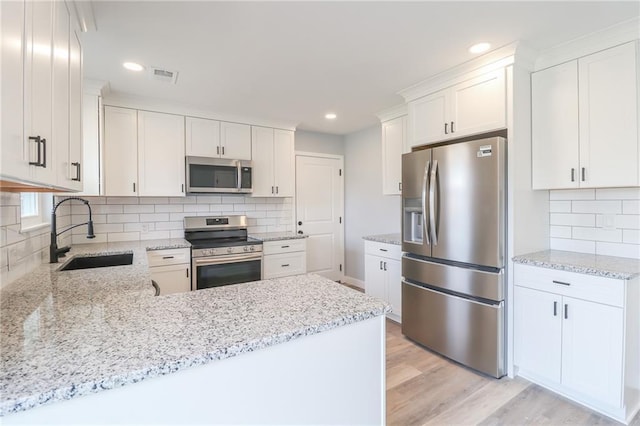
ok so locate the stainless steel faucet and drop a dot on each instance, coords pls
(54, 251)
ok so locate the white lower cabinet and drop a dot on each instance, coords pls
(171, 269)
(382, 275)
(284, 258)
(570, 337)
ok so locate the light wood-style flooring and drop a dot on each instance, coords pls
(424, 388)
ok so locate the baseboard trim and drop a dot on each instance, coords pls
(354, 281)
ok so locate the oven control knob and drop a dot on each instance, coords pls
(246, 248)
(230, 250)
(252, 248)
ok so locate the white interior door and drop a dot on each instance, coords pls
(319, 212)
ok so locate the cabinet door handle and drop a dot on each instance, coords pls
(167, 257)
(380, 265)
(36, 139)
(223, 150)
(284, 246)
(560, 282)
(446, 131)
(286, 265)
(383, 250)
(187, 272)
(399, 186)
(134, 187)
(277, 189)
(452, 129)
(385, 266)
(44, 153)
(566, 311)
(573, 174)
(555, 309)
(272, 189)
(218, 150)
(41, 146)
(77, 166)
(584, 170)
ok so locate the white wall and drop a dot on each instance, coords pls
(367, 211)
(319, 142)
(579, 219)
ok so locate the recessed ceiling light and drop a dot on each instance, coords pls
(479, 48)
(330, 116)
(132, 66)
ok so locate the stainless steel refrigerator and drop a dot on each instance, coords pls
(453, 239)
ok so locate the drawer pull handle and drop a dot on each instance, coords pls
(566, 311)
(555, 309)
(284, 246)
(286, 265)
(561, 282)
(381, 265)
(167, 257)
(384, 250)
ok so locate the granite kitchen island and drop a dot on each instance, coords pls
(91, 347)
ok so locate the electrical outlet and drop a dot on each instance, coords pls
(145, 228)
(608, 221)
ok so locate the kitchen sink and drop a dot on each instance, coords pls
(103, 261)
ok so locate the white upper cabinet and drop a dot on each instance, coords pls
(393, 140)
(160, 154)
(76, 154)
(202, 137)
(473, 106)
(40, 73)
(273, 162)
(235, 141)
(608, 95)
(585, 122)
(14, 162)
(120, 151)
(212, 138)
(554, 113)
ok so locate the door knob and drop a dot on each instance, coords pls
(299, 222)
(300, 232)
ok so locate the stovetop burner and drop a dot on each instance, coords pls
(219, 235)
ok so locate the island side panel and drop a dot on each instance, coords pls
(333, 377)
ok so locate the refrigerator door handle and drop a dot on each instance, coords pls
(425, 189)
(433, 220)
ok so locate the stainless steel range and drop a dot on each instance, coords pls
(221, 251)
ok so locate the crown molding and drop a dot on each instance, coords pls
(498, 58)
(614, 35)
(392, 112)
(95, 87)
(156, 105)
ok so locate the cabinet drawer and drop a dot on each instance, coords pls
(580, 286)
(168, 257)
(391, 251)
(284, 246)
(282, 265)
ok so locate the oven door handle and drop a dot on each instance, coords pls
(224, 259)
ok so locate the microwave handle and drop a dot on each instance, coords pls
(239, 180)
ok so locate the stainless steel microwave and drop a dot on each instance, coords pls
(218, 175)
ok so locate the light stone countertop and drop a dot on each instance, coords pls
(385, 238)
(277, 236)
(71, 333)
(590, 264)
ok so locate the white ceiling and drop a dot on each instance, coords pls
(296, 61)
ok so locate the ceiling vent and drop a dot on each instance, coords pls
(163, 75)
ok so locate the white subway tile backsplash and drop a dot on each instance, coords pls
(105, 228)
(155, 235)
(618, 194)
(209, 199)
(176, 233)
(233, 199)
(154, 200)
(123, 200)
(631, 206)
(560, 231)
(244, 207)
(597, 234)
(139, 208)
(617, 249)
(138, 226)
(168, 208)
(193, 208)
(604, 207)
(573, 245)
(100, 209)
(82, 239)
(631, 236)
(8, 215)
(572, 219)
(122, 218)
(182, 200)
(572, 194)
(123, 236)
(178, 216)
(166, 226)
(154, 217)
(628, 221)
